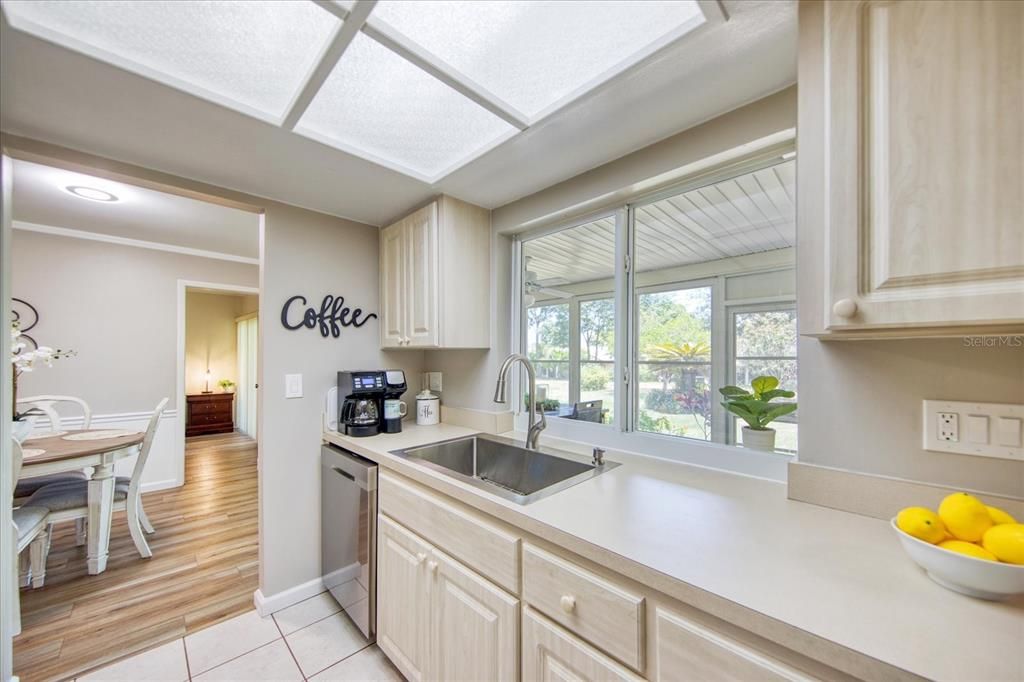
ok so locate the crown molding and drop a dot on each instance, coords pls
(125, 241)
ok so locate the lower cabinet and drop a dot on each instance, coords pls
(689, 651)
(437, 619)
(552, 654)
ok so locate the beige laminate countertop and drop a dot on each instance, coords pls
(840, 577)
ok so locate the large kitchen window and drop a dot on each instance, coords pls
(636, 319)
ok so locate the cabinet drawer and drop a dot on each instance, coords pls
(689, 651)
(482, 546)
(552, 654)
(207, 419)
(597, 610)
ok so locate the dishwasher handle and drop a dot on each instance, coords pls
(360, 471)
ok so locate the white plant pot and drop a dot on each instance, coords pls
(759, 440)
(21, 429)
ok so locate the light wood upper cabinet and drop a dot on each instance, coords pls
(920, 195)
(435, 278)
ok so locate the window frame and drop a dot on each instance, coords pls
(624, 435)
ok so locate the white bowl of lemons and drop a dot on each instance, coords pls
(967, 546)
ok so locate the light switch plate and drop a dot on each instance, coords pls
(292, 385)
(988, 428)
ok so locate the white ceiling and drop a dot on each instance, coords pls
(747, 214)
(41, 201)
(52, 93)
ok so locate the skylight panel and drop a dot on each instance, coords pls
(539, 54)
(379, 106)
(251, 56)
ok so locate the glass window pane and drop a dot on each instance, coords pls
(573, 271)
(597, 356)
(528, 52)
(547, 346)
(674, 347)
(379, 106)
(766, 345)
(255, 53)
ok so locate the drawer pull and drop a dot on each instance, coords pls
(420, 558)
(568, 603)
(432, 566)
(845, 308)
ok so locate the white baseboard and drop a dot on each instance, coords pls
(281, 600)
(153, 486)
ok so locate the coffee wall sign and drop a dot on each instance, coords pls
(330, 318)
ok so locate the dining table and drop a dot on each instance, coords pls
(80, 450)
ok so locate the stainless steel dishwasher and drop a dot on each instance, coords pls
(348, 534)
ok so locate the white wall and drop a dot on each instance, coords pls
(116, 307)
(310, 254)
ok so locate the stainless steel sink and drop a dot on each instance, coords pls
(502, 468)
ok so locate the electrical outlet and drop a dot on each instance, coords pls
(949, 426)
(990, 429)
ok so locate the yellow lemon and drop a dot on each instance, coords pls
(965, 516)
(968, 548)
(1006, 542)
(998, 516)
(923, 524)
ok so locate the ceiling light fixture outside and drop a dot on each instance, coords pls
(91, 193)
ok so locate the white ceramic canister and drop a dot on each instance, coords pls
(428, 408)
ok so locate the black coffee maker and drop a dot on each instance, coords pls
(361, 402)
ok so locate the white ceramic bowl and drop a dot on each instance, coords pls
(962, 573)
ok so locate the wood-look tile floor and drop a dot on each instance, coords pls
(204, 570)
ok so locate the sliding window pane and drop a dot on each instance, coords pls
(597, 360)
(765, 344)
(674, 347)
(547, 344)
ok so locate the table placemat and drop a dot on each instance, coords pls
(32, 452)
(46, 434)
(100, 435)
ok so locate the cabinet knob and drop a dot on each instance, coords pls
(420, 558)
(845, 308)
(568, 603)
(432, 566)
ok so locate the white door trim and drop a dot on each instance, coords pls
(183, 286)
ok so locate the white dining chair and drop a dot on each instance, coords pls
(31, 531)
(70, 500)
(47, 404)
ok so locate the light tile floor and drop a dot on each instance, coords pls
(312, 640)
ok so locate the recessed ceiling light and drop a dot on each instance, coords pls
(91, 193)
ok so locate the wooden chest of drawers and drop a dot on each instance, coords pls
(210, 413)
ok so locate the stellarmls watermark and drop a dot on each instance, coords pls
(1001, 341)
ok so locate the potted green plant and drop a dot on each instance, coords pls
(756, 409)
(226, 385)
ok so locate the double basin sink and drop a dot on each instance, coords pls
(500, 467)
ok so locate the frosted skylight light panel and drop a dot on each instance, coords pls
(538, 54)
(379, 106)
(251, 56)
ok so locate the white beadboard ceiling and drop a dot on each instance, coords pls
(747, 214)
(281, 124)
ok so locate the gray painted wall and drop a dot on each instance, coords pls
(310, 254)
(117, 307)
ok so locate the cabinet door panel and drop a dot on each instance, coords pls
(403, 599)
(392, 285)
(688, 651)
(475, 632)
(422, 269)
(926, 160)
(551, 653)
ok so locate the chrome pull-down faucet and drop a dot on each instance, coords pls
(534, 427)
